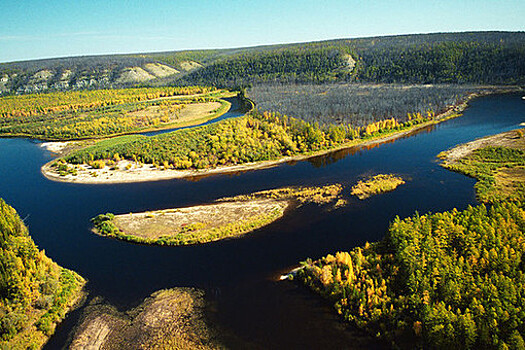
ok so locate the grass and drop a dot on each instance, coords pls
(500, 169)
(227, 218)
(375, 185)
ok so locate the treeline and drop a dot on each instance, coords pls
(474, 58)
(291, 64)
(35, 293)
(447, 62)
(42, 104)
(452, 280)
(252, 138)
(356, 104)
(471, 57)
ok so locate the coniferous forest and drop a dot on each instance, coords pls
(35, 293)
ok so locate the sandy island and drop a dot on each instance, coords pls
(225, 218)
(126, 171)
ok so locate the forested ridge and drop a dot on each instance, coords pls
(470, 57)
(35, 293)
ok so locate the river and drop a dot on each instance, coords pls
(250, 307)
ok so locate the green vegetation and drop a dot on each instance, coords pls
(227, 218)
(375, 185)
(74, 115)
(488, 165)
(469, 57)
(35, 292)
(252, 138)
(452, 280)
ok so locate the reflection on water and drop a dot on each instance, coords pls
(246, 302)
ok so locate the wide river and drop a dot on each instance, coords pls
(246, 301)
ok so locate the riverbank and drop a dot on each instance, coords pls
(168, 319)
(226, 218)
(497, 162)
(36, 292)
(125, 171)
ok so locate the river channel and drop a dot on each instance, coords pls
(240, 276)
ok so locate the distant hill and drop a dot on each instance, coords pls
(470, 57)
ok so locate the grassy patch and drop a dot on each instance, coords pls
(227, 218)
(375, 185)
(168, 319)
(499, 171)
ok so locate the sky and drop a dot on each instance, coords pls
(32, 29)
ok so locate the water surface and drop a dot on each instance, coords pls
(250, 307)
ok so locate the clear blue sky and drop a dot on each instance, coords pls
(31, 29)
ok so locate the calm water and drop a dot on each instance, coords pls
(251, 308)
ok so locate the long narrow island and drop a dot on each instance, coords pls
(226, 218)
(254, 141)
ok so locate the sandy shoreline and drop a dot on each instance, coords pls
(504, 139)
(146, 172)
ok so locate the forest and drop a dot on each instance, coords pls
(255, 137)
(356, 104)
(459, 58)
(35, 293)
(452, 280)
(74, 115)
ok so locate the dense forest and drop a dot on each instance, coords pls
(356, 104)
(452, 280)
(35, 293)
(252, 138)
(291, 64)
(470, 57)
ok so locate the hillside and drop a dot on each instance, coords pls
(471, 57)
(35, 293)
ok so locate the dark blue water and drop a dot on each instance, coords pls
(236, 110)
(248, 304)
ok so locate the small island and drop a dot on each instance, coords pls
(226, 218)
(375, 185)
